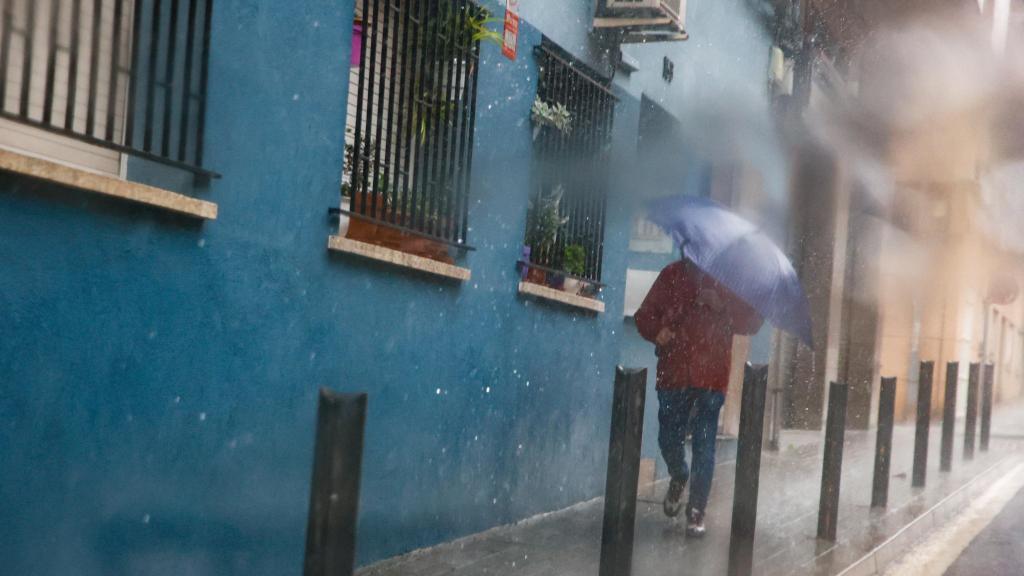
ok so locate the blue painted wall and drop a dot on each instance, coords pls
(158, 376)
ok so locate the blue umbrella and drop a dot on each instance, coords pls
(739, 256)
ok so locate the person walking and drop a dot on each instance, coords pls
(691, 319)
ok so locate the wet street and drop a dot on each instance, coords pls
(999, 549)
(568, 542)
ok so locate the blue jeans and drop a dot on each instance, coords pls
(674, 421)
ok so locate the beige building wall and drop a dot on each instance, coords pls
(937, 266)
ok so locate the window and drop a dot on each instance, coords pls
(646, 236)
(409, 135)
(572, 118)
(83, 81)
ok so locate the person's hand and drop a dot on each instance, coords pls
(664, 337)
(711, 299)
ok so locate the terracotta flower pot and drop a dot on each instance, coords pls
(370, 232)
(537, 276)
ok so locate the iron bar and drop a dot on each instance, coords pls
(26, 71)
(451, 51)
(358, 178)
(51, 61)
(94, 66)
(406, 127)
(443, 115)
(204, 73)
(154, 51)
(418, 192)
(474, 77)
(5, 50)
(115, 71)
(433, 105)
(605, 141)
(383, 80)
(186, 83)
(133, 80)
(169, 73)
(390, 162)
(465, 63)
(455, 118)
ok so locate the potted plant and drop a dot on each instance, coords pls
(574, 261)
(383, 202)
(346, 184)
(554, 115)
(543, 222)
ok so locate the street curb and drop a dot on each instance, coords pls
(875, 562)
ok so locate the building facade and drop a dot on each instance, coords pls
(180, 275)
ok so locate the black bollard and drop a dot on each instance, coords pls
(924, 420)
(832, 463)
(748, 470)
(971, 418)
(948, 417)
(623, 471)
(883, 443)
(334, 497)
(986, 406)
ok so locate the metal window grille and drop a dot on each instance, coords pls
(412, 138)
(573, 161)
(127, 75)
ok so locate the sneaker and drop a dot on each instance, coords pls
(674, 498)
(695, 523)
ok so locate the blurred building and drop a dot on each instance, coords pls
(894, 225)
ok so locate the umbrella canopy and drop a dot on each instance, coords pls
(736, 254)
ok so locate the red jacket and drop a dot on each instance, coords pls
(700, 353)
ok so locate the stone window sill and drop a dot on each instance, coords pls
(106, 185)
(560, 296)
(397, 257)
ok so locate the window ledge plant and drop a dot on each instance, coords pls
(555, 115)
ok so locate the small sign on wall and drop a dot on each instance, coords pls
(510, 38)
(638, 284)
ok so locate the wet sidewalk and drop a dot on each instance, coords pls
(568, 542)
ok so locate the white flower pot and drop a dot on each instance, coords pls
(572, 286)
(344, 218)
